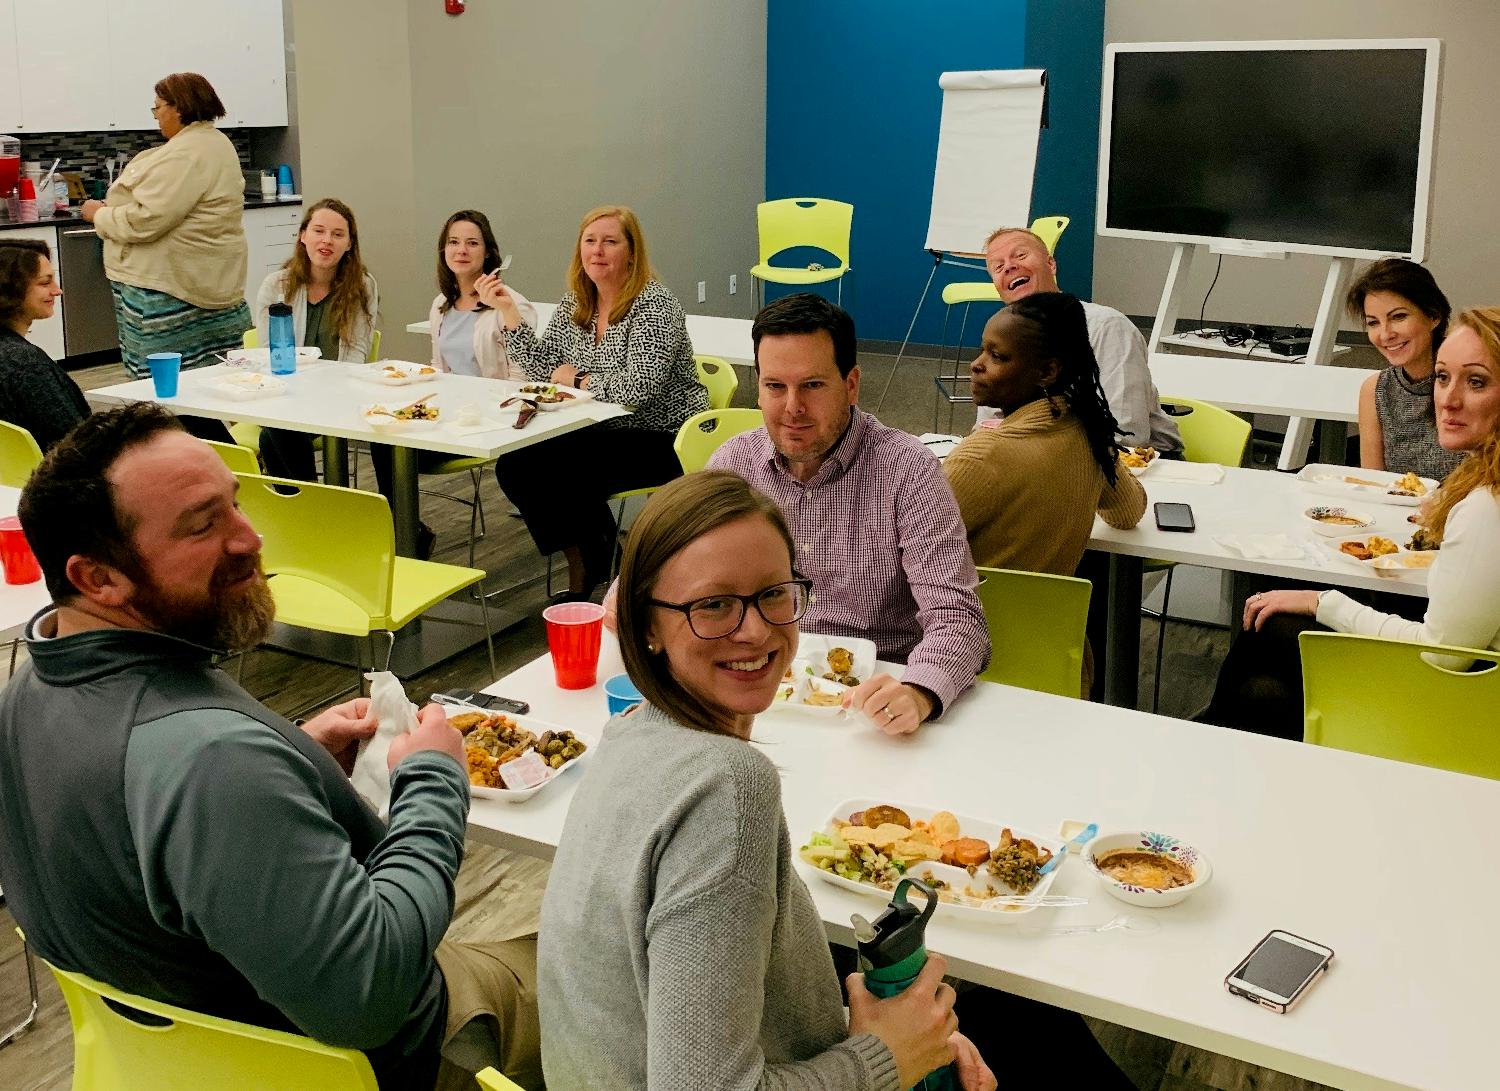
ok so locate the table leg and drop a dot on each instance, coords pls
(336, 460)
(1122, 657)
(404, 501)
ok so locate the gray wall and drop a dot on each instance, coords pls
(1465, 217)
(534, 114)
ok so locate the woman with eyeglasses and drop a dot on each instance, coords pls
(678, 946)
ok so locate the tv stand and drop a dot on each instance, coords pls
(1325, 329)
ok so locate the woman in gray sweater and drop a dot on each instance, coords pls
(678, 947)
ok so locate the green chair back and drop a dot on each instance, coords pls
(343, 539)
(702, 434)
(804, 221)
(180, 1050)
(719, 378)
(242, 460)
(19, 455)
(1049, 229)
(250, 339)
(1036, 622)
(491, 1080)
(1382, 697)
(1211, 434)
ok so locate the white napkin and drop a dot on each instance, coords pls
(1186, 473)
(1262, 547)
(397, 716)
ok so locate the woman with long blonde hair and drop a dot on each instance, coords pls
(1260, 685)
(619, 334)
(334, 301)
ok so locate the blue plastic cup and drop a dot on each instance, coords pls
(165, 367)
(621, 694)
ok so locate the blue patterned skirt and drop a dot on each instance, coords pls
(151, 321)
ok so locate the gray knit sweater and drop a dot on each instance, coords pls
(679, 948)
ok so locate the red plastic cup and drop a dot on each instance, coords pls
(574, 630)
(15, 553)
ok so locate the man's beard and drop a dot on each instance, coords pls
(227, 621)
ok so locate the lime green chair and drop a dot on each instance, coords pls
(242, 460)
(703, 433)
(1209, 434)
(330, 554)
(19, 455)
(719, 378)
(1383, 698)
(1036, 622)
(490, 1080)
(174, 1049)
(802, 221)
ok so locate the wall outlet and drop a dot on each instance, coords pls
(734, 283)
(702, 291)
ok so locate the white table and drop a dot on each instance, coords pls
(18, 602)
(1301, 838)
(1245, 502)
(710, 334)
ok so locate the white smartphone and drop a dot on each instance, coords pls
(1279, 971)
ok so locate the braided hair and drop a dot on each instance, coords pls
(1055, 329)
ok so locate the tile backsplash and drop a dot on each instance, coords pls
(86, 152)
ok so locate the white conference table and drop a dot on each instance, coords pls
(18, 602)
(1319, 842)
(711, 335)
(1245, 502)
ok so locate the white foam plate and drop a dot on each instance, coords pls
(382, 423)
(395, 373)
(536, 727)
(811, 663)
(260, 359)
(1332, 481)
(247, 386)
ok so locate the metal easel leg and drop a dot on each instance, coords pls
(936, 261)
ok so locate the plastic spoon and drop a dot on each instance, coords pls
(1124, 922)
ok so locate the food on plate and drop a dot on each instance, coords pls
(1360, 481)
(878, 816)
(840, 664)
(1138, 458)
(416, 411)
(965, 852)
(1409, 484)
(426, 369)
(1017, 862)
(1371, 547)
(1338, 520)
(943, 826)
(465, 722)
(491, 740)
(1423, 539)
(547, 392)
(1358, 550)
(1336, 517)
(821, 699)
(1152, 870)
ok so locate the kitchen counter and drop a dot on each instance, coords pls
(75, 220)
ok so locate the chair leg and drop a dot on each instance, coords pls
(958, 355)
(24, 1025)
(489, 635)
(478, 503)
(390, 648)
(617, 551)
(1161, 638)
(239, 668)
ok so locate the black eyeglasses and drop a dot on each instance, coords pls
(718, 616)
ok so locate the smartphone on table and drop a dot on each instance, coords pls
(1279, 971)
(1174, 517)
(483, 700)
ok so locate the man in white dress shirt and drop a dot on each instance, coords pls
(1020, 264)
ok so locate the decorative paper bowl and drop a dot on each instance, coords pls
(1320, 515)
(1145, 841)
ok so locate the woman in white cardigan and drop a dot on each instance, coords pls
(468, 337)
(334, 301)
(1260, 685)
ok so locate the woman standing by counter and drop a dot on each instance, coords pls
(174, 238)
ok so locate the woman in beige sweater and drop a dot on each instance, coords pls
(1029, 483)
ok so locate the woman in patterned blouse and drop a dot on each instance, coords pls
(619, 334)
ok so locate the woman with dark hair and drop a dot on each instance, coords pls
(468, 337)
(35, 394)
(334, 302)
(621, 335)
(1405, 315)
(1028, 484)
(696, 958)
(174, 238)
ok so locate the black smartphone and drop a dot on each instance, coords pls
(1174, 517)
(483, 700)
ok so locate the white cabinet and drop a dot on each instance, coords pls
(90, 65)
(48, 334)
(270, 234)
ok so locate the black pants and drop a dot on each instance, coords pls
(288, 454)
(561, 486)
(1260, 683)
(206, 428)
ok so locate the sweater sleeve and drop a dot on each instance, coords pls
(539, 356)
(656, 332)
(35, 393)
(1122, 504)
(237, 846)
(270, 292)
(161, 198)
(1463, 589)
(356, 350)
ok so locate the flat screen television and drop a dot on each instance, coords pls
(1321, 147)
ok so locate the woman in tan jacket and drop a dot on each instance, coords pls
(1028, 484)
(174, 237)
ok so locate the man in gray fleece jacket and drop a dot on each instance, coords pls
(162, 831)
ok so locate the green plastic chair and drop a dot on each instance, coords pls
(19, 455)
(242, 460)
(1209, 434)
(330, 554)
(802, 221)
(1036, 622)
(703, 433)
(180, 1050)
(719, 378)
(491, 1080)
(1381, 697)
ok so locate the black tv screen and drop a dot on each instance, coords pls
(1306, 147)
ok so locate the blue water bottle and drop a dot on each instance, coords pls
(892, 952)
(283, 351)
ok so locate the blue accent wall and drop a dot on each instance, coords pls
(852, 112)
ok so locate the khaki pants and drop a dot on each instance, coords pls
(492, 1013)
